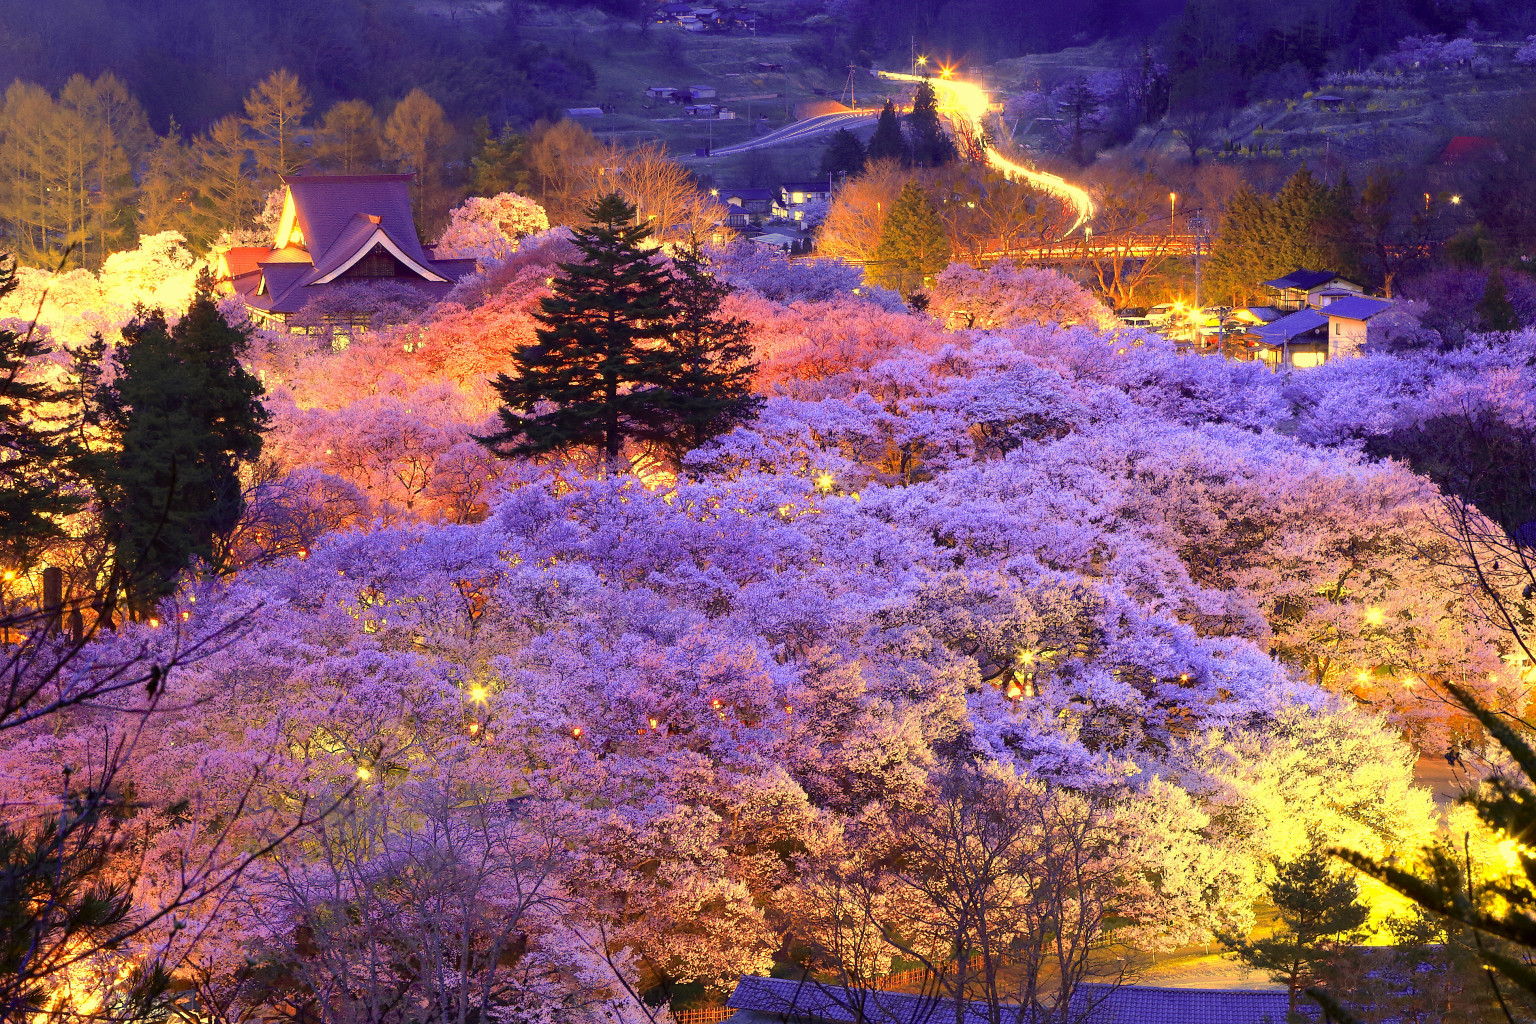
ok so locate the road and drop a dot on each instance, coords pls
(801, 130)
(967, 105)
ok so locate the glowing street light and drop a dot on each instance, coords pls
(946, 72)
(1456, 200)
(922, 61)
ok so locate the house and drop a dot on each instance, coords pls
(786, 1001)
(1299, 340)
(672, 11)
(1301, 289)
(701, 92)
(756, 204)
(584, 111)
(337, 230)
(1348, 320)
(660, 92)
(795, 196)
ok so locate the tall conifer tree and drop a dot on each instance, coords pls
(186, 416)
(930, 144)
(888, 143)
(597, 357)
(913, 246)
(34, 452)
(705, 385)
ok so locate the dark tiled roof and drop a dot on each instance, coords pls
(1357, 307)
(807, 186)
(340, 215)
(326, 204)
(1092, 1004)
(748, 194)
(1304, 280)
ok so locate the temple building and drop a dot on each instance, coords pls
(335, 230)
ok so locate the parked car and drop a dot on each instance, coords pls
(1140, 322)
(1160, 315)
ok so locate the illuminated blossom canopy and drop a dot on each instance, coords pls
(488, 229)
(615, 722)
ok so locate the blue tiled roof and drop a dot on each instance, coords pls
(1305, 280)
(1094, 1004)
(1289, 327)
(1356, 307)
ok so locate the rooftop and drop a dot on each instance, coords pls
(1288, 328)
(1357, 307)
(1303, 280)
(775, 999)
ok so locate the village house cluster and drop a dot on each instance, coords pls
(693, 18)
(1312, 316)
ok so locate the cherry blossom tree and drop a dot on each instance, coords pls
(489, 229)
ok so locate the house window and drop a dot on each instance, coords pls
(798, 197)
(378, 263)
(1338, 328)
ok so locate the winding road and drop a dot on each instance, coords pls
(811, 126)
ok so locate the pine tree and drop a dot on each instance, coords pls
(888, 143)
(274, 110)
(913, 246)
(350, 138)
(1494, 309)
(1320, 917)
(597, 360)
(1500, 915)
(416, 131)
(930, 144)
(705, 386)
(186, 417)
(34, 451)
(844, 155)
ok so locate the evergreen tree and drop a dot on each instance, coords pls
(274, 110)
(1501, 916)
(349, 139)
(844, 155)
(1240, 258)
(598, 355)
(186, 416)
(1320, 917)
(705, 387)
(888, 143)
(33, 453)
(913, 246)
(930, 144)
(1308, 224)
(1494, 309)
